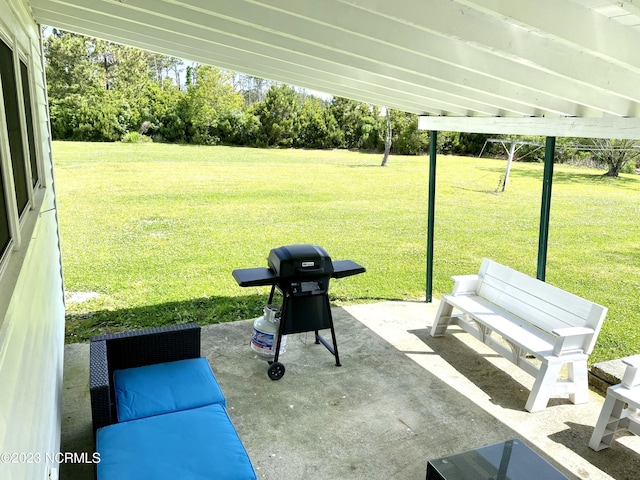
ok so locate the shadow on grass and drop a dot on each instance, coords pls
(593, 177)
(364, 165)
(495, 191)
(80, 327)
(614, 256)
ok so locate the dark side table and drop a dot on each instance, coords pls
(510, 460)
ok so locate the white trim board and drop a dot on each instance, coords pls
(610, 127)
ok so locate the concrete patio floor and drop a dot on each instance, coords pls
(399, 399)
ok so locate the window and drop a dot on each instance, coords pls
(14, 129)
(4, 217)
(18, 154)
(28, 113)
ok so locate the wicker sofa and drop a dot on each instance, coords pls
(157, 409)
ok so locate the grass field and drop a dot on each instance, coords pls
(156, 229)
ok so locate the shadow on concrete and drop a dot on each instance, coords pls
(210, 310)
(381, 415)
(618, 460)
(501, 387)
(77, 434)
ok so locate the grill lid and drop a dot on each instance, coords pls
(300, 261)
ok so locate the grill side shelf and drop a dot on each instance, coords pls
(254, 277)
(346, 268)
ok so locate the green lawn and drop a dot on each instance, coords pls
(157, 229)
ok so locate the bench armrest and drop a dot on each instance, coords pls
(108, 353)
(631, 377)
(572, 340)
(465, 284)
(632, 361)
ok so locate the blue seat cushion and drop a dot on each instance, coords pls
(190, 444)
(165, 387)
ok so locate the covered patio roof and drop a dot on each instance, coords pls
(560, 67)
(550, 67)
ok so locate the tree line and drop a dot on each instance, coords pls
(103, 91)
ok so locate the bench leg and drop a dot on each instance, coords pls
(607, 424)
(579, 376)
(442, 320)
(543, 387)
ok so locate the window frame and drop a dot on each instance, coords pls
(16, 220)
(11, 214)
(29, 114)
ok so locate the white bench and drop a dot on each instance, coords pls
(620, 408)
(537, 326)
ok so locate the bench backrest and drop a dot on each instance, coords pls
(539, 303)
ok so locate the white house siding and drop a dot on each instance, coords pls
(31, 294)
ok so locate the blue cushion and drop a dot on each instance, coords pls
(165, 387)
(190, 444)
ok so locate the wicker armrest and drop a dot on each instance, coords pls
(99, 385)
(112, 352)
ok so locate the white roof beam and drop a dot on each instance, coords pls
(453, 58)
(576, 25)
(480, 93)
(211, 40)
(424, 86)
(453, 61)
(501, 36)
(620, 128)
(264, 67)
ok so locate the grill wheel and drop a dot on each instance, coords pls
(276, 371)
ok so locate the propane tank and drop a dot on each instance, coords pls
(265, 333)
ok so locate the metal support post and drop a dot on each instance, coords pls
(549, 153)
(433, 143)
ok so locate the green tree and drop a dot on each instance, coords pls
(164, 70)
(70, 67)
(616, 154)
(75, 86)
(252, 88)
(130, 86)
(167, 113)
(279, 117)
(372, 128)
(460, 143)
(244, 129)
(347, 113)
(101, 91)
(361, 124)
(318, 127)
(210, 99)
(95, 87)
(407, 139)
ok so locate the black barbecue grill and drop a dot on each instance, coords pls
(301, 274)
